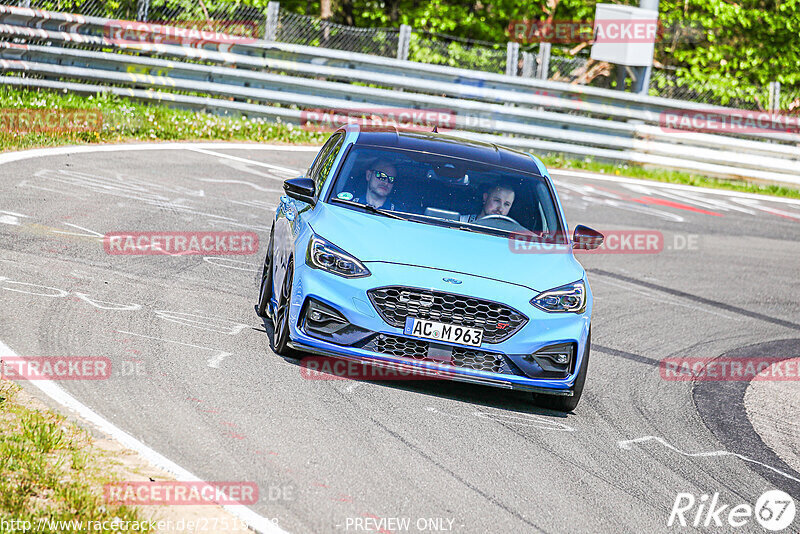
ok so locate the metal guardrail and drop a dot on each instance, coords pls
(648, 107)
(251, 76)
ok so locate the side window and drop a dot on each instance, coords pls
(324, 163)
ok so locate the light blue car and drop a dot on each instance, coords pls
(422, 252)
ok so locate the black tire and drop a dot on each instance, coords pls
(265, 290)
(564, 403)
(280, 325)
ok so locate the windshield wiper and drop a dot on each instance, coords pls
(370, 208)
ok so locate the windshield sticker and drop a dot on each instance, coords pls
(345, 195)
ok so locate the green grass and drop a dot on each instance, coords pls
(48, 469)
(127, 120)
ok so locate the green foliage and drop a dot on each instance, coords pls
(730, 49)
(425, 49)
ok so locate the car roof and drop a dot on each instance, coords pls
(447, 145)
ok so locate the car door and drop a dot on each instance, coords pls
(291, 216)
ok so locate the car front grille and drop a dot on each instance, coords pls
(465, 357)
(498, 321)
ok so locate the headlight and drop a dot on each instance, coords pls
(569, 298)
(322, 254)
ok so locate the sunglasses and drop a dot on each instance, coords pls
(383, 176)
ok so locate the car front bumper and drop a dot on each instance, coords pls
(349, 297)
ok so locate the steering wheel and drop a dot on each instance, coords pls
(497, 216)
(501, 222)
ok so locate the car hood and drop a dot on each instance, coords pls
(374, 238)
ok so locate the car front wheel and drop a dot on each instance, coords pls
(280, 332)
(265, 291)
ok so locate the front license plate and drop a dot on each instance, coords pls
(443, 332)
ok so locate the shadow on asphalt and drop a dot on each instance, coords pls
(474, 394)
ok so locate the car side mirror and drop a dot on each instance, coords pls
(584, 238)
(301, 189)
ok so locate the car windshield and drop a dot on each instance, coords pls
(446, 191)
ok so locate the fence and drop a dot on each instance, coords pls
(279, 80)
(252, 18)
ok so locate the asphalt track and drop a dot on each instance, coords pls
(209, 394)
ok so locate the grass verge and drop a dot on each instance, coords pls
(125, 120)
(49, 471)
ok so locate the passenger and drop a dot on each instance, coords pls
(496, 201)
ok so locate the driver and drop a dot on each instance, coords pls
(380, 183)
(496, 201)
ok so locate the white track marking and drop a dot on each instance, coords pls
(88, 233)
(665, 185)
(687, 197)
(9, 157)
(607, 198)
(536, 421)
(661, 298)
(349, 388)
(253, 203)
(54, 391)
(113, 305)
(270, 166)
(224, 224)
(239, 168)
(242, 182)
(26, 183)
(627, 445)
(214, 361)
(61, 292)
(542, 423)
(756, 204)
(166, 340)
(10, 217)
(221, 262)
(201, 322)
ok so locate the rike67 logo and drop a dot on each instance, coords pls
(774, 510)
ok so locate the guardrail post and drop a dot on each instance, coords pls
(271, 26)
(527, 65)
(142, 7)
(512, 58)
(544, 61)
(403, 40)
(774, 96)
